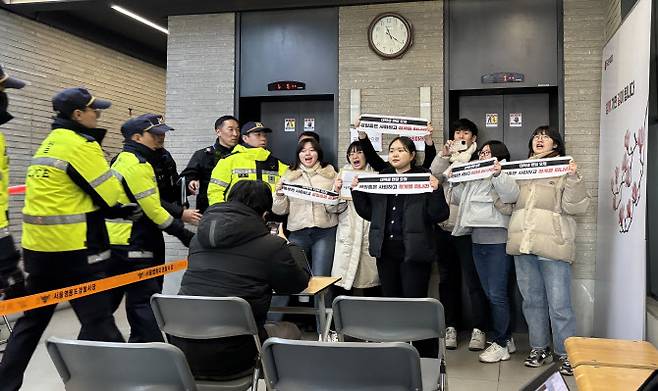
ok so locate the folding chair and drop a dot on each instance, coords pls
(201, 317)
(389, 319)
(292, 365)
(113, 366)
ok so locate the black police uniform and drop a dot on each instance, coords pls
(200, 168)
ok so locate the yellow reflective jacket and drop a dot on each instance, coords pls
(68, 182)
(252, 164)
(137, 176)
(4, 184)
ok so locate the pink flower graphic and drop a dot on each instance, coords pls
(628, 177)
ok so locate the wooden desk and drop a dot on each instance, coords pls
(598, 378)
(317, 288)
(611, 353)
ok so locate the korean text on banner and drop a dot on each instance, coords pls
(310, 194)
(472, 171)
(395, 184)
(537, 168)
(414, 128)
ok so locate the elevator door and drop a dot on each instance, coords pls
(283, 140)
(518, 115)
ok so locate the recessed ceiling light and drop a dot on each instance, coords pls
(139, 18)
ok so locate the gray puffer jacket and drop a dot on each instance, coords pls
(484, 203)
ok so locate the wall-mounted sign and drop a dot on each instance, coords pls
(289, 125)
(516, 120)
(503, 77)
(287, 85)
(309, 124)
(491, 120)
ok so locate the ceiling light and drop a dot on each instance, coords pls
(139, 18)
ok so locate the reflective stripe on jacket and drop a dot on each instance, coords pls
(253, 164)
(66, 182)
(139, 183)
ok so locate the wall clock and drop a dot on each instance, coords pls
(390, 35)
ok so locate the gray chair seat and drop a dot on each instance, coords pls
(429, 370)
(201, 318)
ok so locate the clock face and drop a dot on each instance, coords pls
(390, 35)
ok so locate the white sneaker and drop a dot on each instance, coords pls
(451, 338)
(511, 346)
(478, 340)
(494, 353)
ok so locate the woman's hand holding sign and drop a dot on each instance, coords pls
(572, 167)
(338, 184)
(355, 182)
(279, 188)
(434, 182)
(497, 168)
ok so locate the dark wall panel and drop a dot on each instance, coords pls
(300, 45)
(487, 36)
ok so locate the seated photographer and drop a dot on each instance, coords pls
(234, 254)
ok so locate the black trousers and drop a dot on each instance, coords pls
(405, 279)
(143, 326)
(48, 271)
(456, 267)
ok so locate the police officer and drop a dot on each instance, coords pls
(70, 191)
(251, 161)
(140, 244)
(200, 167)
(12, 282)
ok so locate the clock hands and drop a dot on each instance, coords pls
(388, 32)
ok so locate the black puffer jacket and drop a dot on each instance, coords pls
(421, 214)
(233, 254)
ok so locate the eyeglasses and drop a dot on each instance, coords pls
(542, 137)
(484, 153)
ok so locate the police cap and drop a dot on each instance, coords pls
(255, 127)
(153, 123)
(10, 82)
(71, 99)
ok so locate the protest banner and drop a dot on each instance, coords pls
(472, 171)
(395, 184)
(310, 194)
(414, 128)
(537, 168)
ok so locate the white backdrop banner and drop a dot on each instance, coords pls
(619, 303)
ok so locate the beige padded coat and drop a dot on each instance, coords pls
(542, 221)
(306, 214)
(352, 261)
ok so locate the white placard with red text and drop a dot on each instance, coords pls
(395, 184)
(310, 194)
(414, 128)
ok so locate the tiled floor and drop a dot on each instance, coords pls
(465, 373)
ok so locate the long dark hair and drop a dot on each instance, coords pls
(354, 147)
(498, 150)
(408, 145)
(554, 135)
(315, 146)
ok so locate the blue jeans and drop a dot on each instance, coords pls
(493, 266)
(319, 245)
(545, 285)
